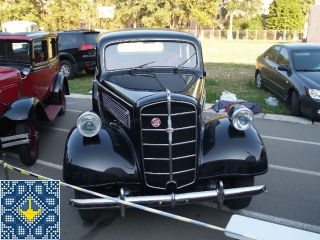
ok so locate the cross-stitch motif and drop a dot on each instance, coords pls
(30, 210)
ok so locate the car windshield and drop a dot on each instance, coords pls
(15, 51)
(150, 53)
(308, 60)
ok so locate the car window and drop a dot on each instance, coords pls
(90, 37)
(15, 51)
(151, 54)
(271, 54)
(70, 40)
(306, 60)
(53, 49)
(40, 50)
(283, 57)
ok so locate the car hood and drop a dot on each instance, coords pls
(135, 93)
(311, 79)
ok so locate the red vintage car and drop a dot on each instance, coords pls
(31, 88)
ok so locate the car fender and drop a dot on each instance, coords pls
(60, 83)
(22, 109)
(66, 56)
(228, 151)
(107, 158)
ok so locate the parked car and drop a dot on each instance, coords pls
(148, 138)
(31, 88)
(77, 52)
(292, 72)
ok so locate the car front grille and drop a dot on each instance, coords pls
(169, 143)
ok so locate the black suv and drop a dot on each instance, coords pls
(77, 52)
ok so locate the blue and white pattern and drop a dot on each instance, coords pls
(30, 209)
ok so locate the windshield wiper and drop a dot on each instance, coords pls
(184, 62)
(143, 65)
(140, 66)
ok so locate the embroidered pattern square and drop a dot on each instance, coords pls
(30, 209)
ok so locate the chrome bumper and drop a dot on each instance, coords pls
(218, 195)
(14, 140)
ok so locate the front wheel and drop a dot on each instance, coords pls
(90, 215)
(29, 152)
(258, 80)
(67, 69)
(239, 203)
(63, 101)
(87, 215)
(295, 104)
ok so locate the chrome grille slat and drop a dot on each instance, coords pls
(169, 151)
(173, 144)
(163, 130)
(120, 112)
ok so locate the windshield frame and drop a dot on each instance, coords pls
(150, 54)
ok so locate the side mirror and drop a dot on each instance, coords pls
(285, 68)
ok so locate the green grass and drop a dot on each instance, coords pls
(229, 65)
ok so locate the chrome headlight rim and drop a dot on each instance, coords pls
(240, 117)
(89, 124)
(25, 71)
(314, 93)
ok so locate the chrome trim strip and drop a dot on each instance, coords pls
(119, 111)
(165, 129)
(14, 140)
(164, 144)
(170, 133)
(172, 114)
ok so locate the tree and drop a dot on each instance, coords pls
(29, 10)
(286, 15)
(247, 8)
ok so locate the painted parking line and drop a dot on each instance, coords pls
(295, 170)
(290, 140)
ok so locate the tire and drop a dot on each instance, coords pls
(90, 215)
(295, 104)
(63, 101)
(29, 152)
(258, 80)
(67, 69)
(239, 203)
(87, 215)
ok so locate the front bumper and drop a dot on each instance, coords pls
(219, 195)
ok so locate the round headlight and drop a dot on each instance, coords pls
(240, 117)
(25, 71)
(89, 124)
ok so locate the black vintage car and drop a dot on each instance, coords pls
(149, 139)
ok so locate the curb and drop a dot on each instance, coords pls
(266, 116)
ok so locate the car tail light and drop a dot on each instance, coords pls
(86, 47)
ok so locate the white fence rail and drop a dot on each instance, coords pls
(272, 35)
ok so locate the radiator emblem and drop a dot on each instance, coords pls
(155, 122)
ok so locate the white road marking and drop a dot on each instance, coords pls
(290, 140)
(281, 221)
(295, 170)
(74, 110)
(58, 129)
(49, 164)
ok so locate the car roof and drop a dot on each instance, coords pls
(77, 32)
(29, 36)
(146, 34)
(300, 46)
